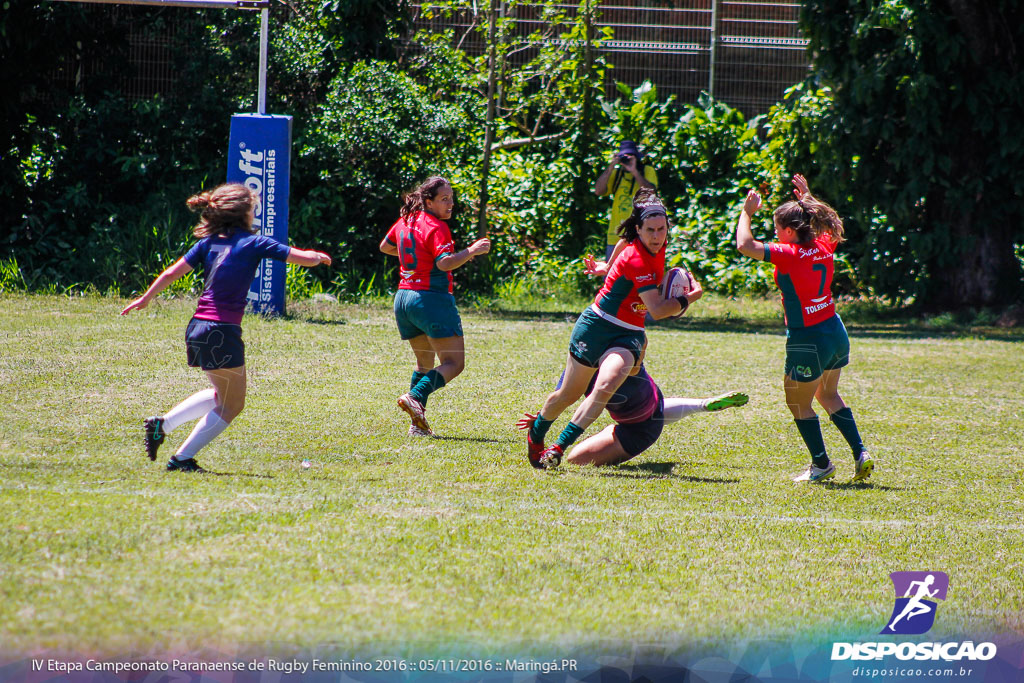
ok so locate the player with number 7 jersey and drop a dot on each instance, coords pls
(817, 346)
(803, 273)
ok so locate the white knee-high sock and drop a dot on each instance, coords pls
(678, 408)
(192, 408)
(206, 430)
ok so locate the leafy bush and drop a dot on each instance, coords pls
(377, 134)
(11, 277)
(299, 283)
(919, 136)
(96, 182)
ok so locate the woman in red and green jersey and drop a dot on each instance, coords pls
(424, 304)
(609, 337)
(817, 346)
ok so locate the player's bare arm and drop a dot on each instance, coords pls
(162, 282)
(745, 242)
(307, 257)
(478, 248)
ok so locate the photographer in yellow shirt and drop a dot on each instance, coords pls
(622, 179)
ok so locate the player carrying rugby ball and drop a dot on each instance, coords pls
(609, 335)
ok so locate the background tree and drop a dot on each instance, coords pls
(921, 142)
(907, 124)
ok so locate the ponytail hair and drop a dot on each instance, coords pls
(223, 210)
(415, 200)
(811, 218)
(645, 205)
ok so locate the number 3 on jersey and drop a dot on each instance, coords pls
(407, 249)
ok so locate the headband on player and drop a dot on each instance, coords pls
(653, 210)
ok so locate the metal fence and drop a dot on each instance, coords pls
(152, 37)
(744, 52)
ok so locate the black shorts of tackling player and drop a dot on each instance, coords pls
(637, 437)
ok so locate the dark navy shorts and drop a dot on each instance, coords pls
(212, 345)
(434, 314)
(812, 350)
(637, 437)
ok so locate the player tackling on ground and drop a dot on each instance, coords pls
(640, 411)
(609, 335)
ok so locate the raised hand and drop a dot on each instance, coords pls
(800, 186)
(752, 204)
(593, 267)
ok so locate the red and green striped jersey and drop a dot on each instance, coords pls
(803, 273)
(635, 270)
(421, 242)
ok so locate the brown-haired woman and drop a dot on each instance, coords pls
(817, 346)
(424, 304)
(229, 251)
(609, 336)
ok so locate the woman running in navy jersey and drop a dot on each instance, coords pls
(817, 346)
(229, 250)
(424, 304)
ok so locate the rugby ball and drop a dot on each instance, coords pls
(676, 283)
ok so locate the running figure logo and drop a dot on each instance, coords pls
(914, 611)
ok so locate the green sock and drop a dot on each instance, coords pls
(847, 426)
(810, 431)
(416, 377)
(427, 385)
(569, 435)
(539, 428)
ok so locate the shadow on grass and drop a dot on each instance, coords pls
(473, 439)
(896, 329)
(526, 316)
(336, 480)
(722, 324)
(656, 470)
(861, 486)
(863, 330)
(862, 319)
(313, 320)
(247, 475)
(55, 466)
(321, 321)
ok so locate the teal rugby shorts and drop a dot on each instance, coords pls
(812, 350)
(420, 312)
(593, 335)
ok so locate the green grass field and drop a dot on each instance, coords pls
(455, 544)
